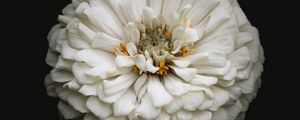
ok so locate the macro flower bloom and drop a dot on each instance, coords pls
(153, 59)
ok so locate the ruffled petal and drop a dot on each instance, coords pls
(146, 108)
(58, 75)
(158, 93)
(98, 108)
(67, 111)
(192, 100)
(186, 74)
(105, 42)
(175, 86)
(93, 57)
(89, 90)
(80, 73)
(203, 115)
(121, 83)
(77, 101)
(125, 104)
(204, 80)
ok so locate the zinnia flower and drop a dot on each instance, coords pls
(154, 59)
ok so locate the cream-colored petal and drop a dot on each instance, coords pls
(105, 20)
(202, 115)
(132, 33)
(90, 117)
(64, 64)
(175, 86)
(68, 52)
(108, 98)
(148, 15)
(219, 115)
(240, 58)
(67, 111)
(86, 33)
(80, 73)
(184, 115)
(51, 58)
(77, 101)
(186, 74)
(72, 85)
(192, 100)
(214, 70)
(93, 57)
(89, 90)
(74, 36)
(50, 86)
(140, 82)
(221, 96)
(105, 42)
(156, 5)
(121, 83)
(98, 108)
(146, 108)
(174, 106)
(206, 103)
(124, 61)
(204, 80)
(242, 38)
(157, 92)
(125, 104)
(131, 49)
(58, 75)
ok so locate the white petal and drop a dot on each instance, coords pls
(90, 117)
(148, 16)
(247, 85)
(131, 33)
(215, 70)
(68, 52)
(72, 85)
(174, 106)
(207, 103)
(98, 108)
(105, 42)
(77, 101)
(204, 80)
(93, 57)
(105, 20)
(61, 37)
(199, 58)
(131, 49)
(125, 104)
(64, 64)
(63, 93)
(108, 98)
(192, 100)
(231, 74)
(216, 18)
(156, 6)
(74, 37)
(184, 115)
(158, 93)
(124, 61)
(121, 83)
(175, 86)
(67, 111)
(220, 97)
(242, 38)
(115, 5)
(185, 73)
(219, 115)
(58, 75)
(241, 17)
(240, 58)
(205, 89)
(51, 58)
(202, 115)
(79, 71)
(163, 116)
(105, 70)
(89, 90)
(140, 82)
(181, 62)
(86, 33)
(53, 35)
(234, 110)
(200, 10)
(169, 7)
(146, 108)
(50, 86)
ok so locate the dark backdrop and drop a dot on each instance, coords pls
(24, 45)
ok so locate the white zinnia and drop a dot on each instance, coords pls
(154, 59)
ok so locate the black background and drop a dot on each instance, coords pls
(24, 46)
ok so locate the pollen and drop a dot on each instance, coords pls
(182, 52)
(168, 34)
(163, 68)
(184, 21)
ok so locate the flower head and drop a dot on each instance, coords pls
(153, 59)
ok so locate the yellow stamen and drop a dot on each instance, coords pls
(163, 68)
(185, 20)
(123, 49)
(168, 34)
(182, 52)
(135, 69)
(191, 26)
